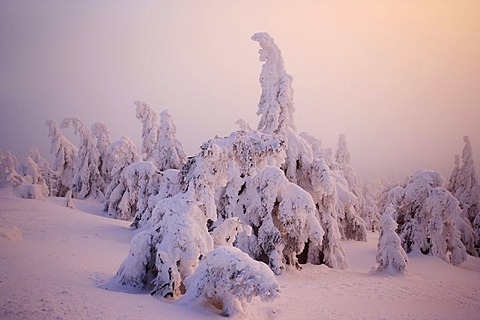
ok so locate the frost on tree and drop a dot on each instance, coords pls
(164, 255)
(87, 179)
(141, 179)
(8, 169)
(101, 133)
(463, 184)
(276, 108)
(122, 153)
(227, 278)
(150, 126)
(64, 154)
(390, 254)
(283, 219)
(351, 196)
(426, 215)
(324, 193)
(44, 166)
(168, 152)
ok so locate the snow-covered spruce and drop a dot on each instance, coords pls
(464, 185)
(164, 255)
(390, 255)
(150, 123)
(44, 167)
(87, 179)
(426, 217)
(343, 159)
(122, 154)
(101, 133)
(168, 152)
(276, 108)
(324, 192)
(282, 216)
(64, 154)
(226, 277)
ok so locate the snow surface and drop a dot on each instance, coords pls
(62, 261)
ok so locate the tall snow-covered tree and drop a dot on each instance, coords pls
(101, 133)
(64, 154)
(426, 215)
(150, 126)
(276, 108)
(168, 152)
(390, 255)
(464, 185)
(122, 154)
(343, 158)
(87, 179)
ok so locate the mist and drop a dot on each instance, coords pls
(400, 79)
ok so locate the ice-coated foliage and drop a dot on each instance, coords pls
(168, 152)
(390, 254)
(150, 125)
(163, 256)
(464, 185)
(8, 169)
(44, 166)
(226, 277)
(138, 181)
(101, 133)
(276, 101)
(64, 154)
(122, 153)
(324, 193)
(33, 173)
(87, 179)
(426, 217)
(282, 216)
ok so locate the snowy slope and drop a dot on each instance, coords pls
(56, 263)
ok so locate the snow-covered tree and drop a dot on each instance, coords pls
(426, 215)
(324, 192)
(8, 169)
(343, 159)
(101, 133)
(150, 126)
(44, 166)
(390, 254)
(122, 153)
(227, 277)
(168, 152)
(276, 108)
(64, 154)
(141, 178)
(87, 179)
(283, 218)
(464, 185)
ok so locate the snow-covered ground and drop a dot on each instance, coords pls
(57, 263)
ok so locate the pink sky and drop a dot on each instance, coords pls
(400, 78)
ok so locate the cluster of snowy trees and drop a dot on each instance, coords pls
(218, 225)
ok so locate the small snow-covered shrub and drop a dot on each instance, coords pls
(390, 255)
(226, 277)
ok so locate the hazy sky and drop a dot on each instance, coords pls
(400, 78)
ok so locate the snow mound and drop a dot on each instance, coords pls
(10, 234)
